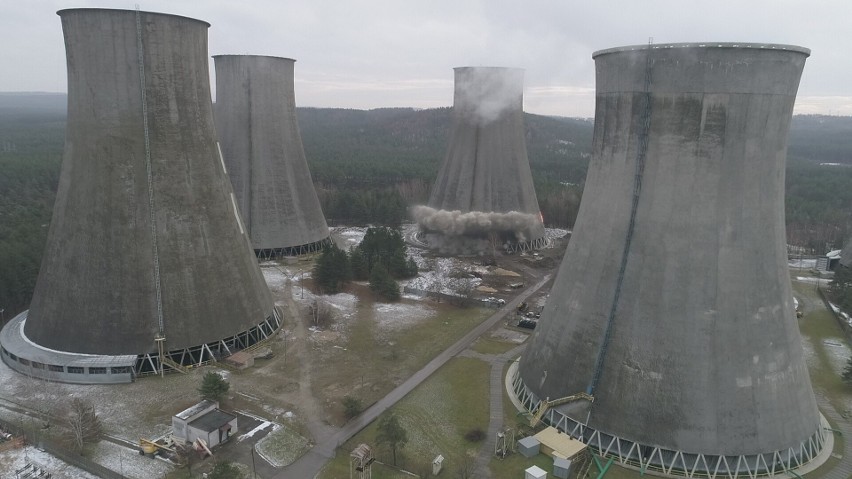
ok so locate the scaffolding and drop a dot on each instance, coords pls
(360, 462)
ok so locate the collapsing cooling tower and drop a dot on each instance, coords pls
(262, 147)
(673, 308)
(145, 240)
(484, 191)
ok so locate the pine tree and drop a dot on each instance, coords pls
(360, 269)
(411, 268)
(383, 284)
(332, 270)
(391, 433)
(213, 386)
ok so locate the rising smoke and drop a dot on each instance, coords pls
(488, 92)
(474, 232)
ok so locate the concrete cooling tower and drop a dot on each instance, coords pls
(669, 341)
(256, 120)
(147, 262)
(846, 254)
(484, 191)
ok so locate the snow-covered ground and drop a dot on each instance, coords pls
(437, 275)
(128, 461)
(838, 354)
(398, 316)
(802, 263)
(15, 459)
(351, 235)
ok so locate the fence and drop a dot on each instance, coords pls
(56, 450)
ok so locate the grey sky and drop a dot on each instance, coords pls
(385, 53)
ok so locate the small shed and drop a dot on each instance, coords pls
(555, 443)
(535, 472)
(206, 421)
(240, 360)
(215, 427)
(529, 446)
(437, 465)
(561, 467)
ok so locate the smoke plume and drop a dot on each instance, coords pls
(486, 92)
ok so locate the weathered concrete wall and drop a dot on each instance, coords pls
(846, 254)
(96, 289)
(256, 120)
(705, 354)
(486, 168)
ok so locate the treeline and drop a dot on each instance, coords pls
(369, 166)
(30, 157)
(818, 205)
(381, 258)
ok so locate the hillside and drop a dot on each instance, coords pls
(368, 166)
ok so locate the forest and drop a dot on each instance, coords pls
(369, 166)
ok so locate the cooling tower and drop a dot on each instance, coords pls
(145, 240)
(484, 188)
(673, 307)
(846, 254)
(256, 120)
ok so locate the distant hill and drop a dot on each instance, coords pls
(821, 139)
(33, 103)
(369, 165)
(405, 143)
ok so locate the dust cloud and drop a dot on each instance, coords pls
(473, 232)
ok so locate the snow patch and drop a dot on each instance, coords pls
(58, 469)
(397, 316)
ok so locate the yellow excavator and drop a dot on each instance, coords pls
(546, 404)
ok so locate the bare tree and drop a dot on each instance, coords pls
(466, 466)
(83, 423)
(323, 314)
(463, 288)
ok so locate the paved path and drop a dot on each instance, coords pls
(495, 422)
(843, 469)
(311, 463)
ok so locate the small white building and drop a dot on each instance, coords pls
(206, 421)
(535, 472)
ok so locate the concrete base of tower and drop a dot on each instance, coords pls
(26, 357)
(792, 462)
(266, 254)
(475, 245)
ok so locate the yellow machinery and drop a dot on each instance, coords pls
(546, 404)
(150, 447)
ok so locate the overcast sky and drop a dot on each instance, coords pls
(394, 53)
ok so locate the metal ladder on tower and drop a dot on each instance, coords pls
(546, 404)
(637, 188)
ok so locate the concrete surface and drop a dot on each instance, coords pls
(704, 353)
(96, 292)
(259, 134)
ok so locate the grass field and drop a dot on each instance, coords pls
(436, 416)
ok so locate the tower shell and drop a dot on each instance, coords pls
(145, 239)
(673, 306)
(846, 254)
(486, 168)
(256, 120)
